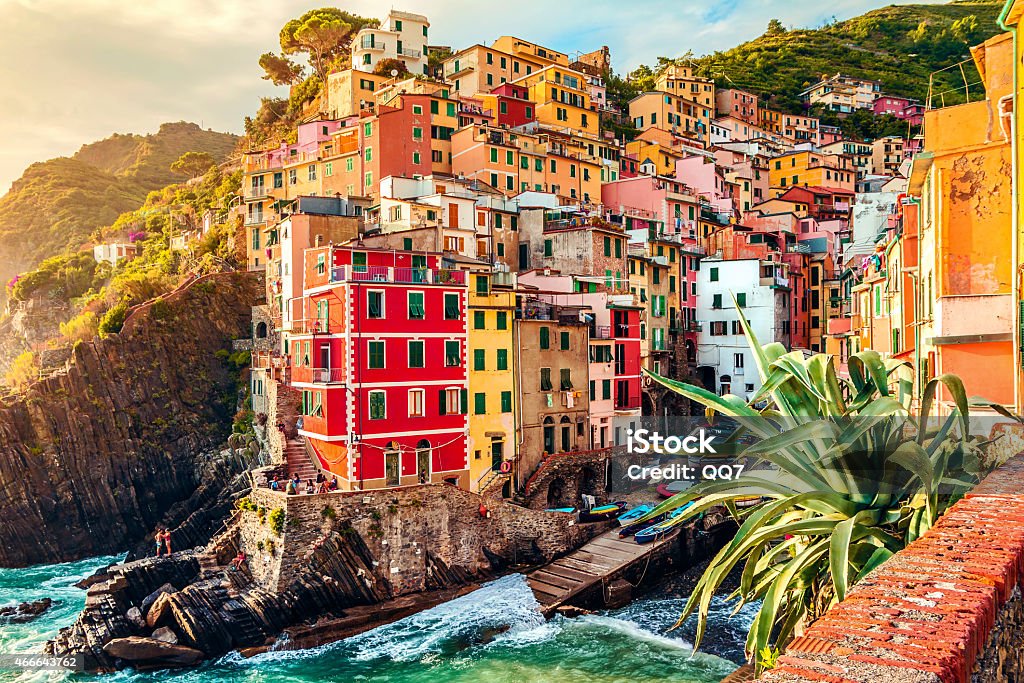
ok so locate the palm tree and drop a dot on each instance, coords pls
(846, 477)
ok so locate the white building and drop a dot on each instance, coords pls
(402, 35)
(725, 362)
(115, 252)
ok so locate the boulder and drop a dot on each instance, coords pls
(160, 607)
(134, 615)
(26, 611)
(148, 601)
(166, 635)
(152, 652)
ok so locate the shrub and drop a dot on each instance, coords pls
(276, 519)
(160, 309)
(82, 327)
(23, 371)
(113, 320)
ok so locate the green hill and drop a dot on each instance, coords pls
(899, 45)
(57, 204)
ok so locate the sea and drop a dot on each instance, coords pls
(492, 635)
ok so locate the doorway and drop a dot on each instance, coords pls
(392, 476)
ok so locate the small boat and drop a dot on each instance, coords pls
(638, 526)
(560, 510)
(600, 513)
(656, 531)
(634, 514)
(673, 487)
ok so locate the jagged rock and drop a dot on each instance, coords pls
(94, 457)
(152, 652)
(25, 612)
(166, 635)
(134, 615)
(148, 601)
(160, 608)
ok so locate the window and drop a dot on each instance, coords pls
(479, 359)
(452, 354)
(502, 316)
(417, 133)
(368, 129)
(368, 154)
(479, 320)
(416, 310)
(418, 108)
(483, 285)
(565, 379)
(479, 403)
(416, 158)
(718, 328)
(349, 164)
(375, 357)
(563, 341)
(433, 107)
(713, 275)
(450, 108)
(416, 402)
(545, 379)
(375, 304)
(618, 248)
(716, 301)
(606, 389)
(378, 410)
(416, 354)
(502, 359)
(607, 245)
(451, 307)
(329, 169)
(548, 248)
(506, 401)
(545, 338)
(278, 180)
(293, 177)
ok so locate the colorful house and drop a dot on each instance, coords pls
(380, 361)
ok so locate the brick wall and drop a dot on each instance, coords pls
(401, 526)
(947, 608)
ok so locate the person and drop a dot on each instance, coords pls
(334, 483)
(236, 564)
(323, 488)
(298, 422)
(320, 478)
(290, 488)
(297, 480)
(423, 476)
(484, 512)
(167, 541)
(309, 487)
(159, 537)
(275, 485)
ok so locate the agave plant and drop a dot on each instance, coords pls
(846, 477)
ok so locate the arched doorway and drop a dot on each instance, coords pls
(566, 425)
(261, 330)
(423, 464)
(556, 493)
(549, 435)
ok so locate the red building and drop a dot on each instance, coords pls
(396, 139)
(380, 361)
(900, 107)
(512, 105)
(626, 333)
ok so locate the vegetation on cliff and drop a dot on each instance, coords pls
(57, 205)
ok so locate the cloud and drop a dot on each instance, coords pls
(78, 70)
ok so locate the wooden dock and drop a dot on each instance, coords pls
(604, 558)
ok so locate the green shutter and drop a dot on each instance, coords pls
(548, 248)
(502, 319)
(479, 359)
(545, 338)
(416, 354)
(479, 403)
(545, 379)
(479, 320)
(741, 299)
(506, 401)
(716, 301)
(564, 341)
(606, 389)
(593, 390)
(464, 401)
(503, 359)
(565, 379)
(442, 400)
(713, 275)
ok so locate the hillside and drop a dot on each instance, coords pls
(57, 204)
(900, 45)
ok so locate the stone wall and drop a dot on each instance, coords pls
(93, 457)
(947, 608)
(411, 532)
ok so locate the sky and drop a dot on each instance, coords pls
(76, 71)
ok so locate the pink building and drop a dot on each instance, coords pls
(737, 103)
(900, 107)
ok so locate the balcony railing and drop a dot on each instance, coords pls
(314, 424)
(318, 375)
(600, 332)
(406, 52)
(424, 276)
(258, 192)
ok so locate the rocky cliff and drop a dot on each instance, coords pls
(92, 458)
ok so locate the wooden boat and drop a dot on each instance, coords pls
(599, 513)
(634, 514)
(656, 531)
(560, 510)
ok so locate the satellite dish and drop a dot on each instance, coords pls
(394, 72)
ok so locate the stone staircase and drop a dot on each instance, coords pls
(297, 461)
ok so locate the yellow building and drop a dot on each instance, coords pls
(1012, 19)
(562, 99)
(524, 49)
(811, 169)
(668, 112)
(492, 409)
(679, 80)
(478, 69)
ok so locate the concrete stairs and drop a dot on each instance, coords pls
(296, 461)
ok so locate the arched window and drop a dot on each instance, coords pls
(261, 330)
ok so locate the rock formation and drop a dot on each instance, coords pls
(91, 459)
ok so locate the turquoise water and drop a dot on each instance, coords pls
(461, 641)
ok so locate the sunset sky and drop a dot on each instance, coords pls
(75, 71)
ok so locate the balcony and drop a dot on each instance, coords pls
(318, 375)
(419, 276)
(406, 52)
(254, 219)
(257, 193)
(600, 332)
(314, 424)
